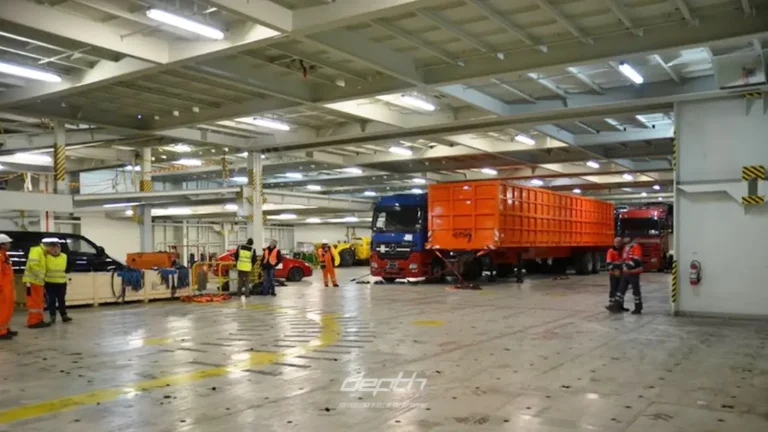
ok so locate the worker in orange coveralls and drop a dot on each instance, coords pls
(34, 280)
(632, 258)
(614, 264)
(6, 289)
(326, 258)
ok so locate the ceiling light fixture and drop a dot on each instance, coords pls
(645, 194)
(181, 148)
(419, 181)
(231, 207)
(189, 162)
(284, 216)
(294, 175)
(661, 199)
(239, 179)
(369, 193)
(656, 187)
(593, 164)
(577, 191)
(129, 212)
(265, 122)
(314, 187)
(32, 158)
(130, 204)
(132, 168)
(400, 150)
(314, 220)
(525, 139)
(537, 182)
(417, 191)
(630, 73)
(185, 24)
(350, 219)
(352, 170)
(627, 176)
(417, 102)
(489, 171)
(30, 73)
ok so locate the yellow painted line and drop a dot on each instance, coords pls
(329, 334)
(428, 323)
(157, 341)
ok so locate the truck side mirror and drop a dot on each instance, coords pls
(100, 252)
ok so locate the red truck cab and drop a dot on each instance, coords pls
(651, 225)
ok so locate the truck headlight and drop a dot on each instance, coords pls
(374, 265)
(413, 266)
(654, 260)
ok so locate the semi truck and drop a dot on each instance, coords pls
(651, 224)
(467, 228)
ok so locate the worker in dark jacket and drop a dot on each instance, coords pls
(632, 267)
(614, 264)
(245, 259)
(271, 258)
(56, 268)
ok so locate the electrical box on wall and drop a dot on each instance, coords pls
(742, 69)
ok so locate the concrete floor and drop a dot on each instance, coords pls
(539, 357)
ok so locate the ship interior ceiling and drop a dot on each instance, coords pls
(184, 127)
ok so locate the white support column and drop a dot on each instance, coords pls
(185, 243)
(252, 200)
(146, 170)
(147, 243)
(46, 216)
(60, 158)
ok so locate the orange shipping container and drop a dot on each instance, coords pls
(498, 214)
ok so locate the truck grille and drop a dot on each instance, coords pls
(393, 250)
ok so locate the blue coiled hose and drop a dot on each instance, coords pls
(175, 278)
(131, 277)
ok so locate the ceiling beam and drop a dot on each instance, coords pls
(513, 90)
(264, 12)
(583, 78)
(618, 9)
(671, 72)
(548, 84)
(507, 24)
(463, 35)
(562, 19)
(402, 34)
(682, 5)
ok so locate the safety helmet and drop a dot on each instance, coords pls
(5, 239)
(325, 241)
(50, 241)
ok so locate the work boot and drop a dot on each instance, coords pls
(638, 309)
(273, 294)
(12, 333)
(66, 318)
(326, 285)
(53, 320)
(41, 324)
(6, 336)
(335, 285)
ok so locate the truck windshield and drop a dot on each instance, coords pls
(397, 219)
(640, 225)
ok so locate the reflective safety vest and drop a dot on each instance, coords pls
(633, 253)
(34, 272)
(55, 268)
(244, 260)
(270, 257)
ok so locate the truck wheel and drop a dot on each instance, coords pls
(389, 279)
(347, 257)
(533, 266)
(595, 262)
(295, 274)
(436, 271)
(473, 271)
(583, 264)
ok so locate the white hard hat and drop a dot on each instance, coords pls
(325, 241)
(50, 240)
(5, 239)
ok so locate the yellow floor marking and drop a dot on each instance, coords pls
(428, 323)
(328, 335)
(157, 341)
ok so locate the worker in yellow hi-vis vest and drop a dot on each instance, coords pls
(56, 269)
(245, 259)
(34, 280)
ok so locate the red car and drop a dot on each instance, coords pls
(290, 269)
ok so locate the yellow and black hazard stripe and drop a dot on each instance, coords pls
(753, 95)
(673, 292)
(59, 162)
(674, 154)
(753, 172)
(753, 199)
(145, 185)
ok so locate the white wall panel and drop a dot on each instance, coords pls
(117, 236)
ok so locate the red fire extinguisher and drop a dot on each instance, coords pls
(695, 273)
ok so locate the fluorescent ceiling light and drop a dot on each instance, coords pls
(314, 220)
(32, 158)
(400, 150)
(265, 122)
(489, 171)
(283, 216)
(181, 148)
(231, 207)
(525, 139)
(417, 102)
(172, 211)
(577, 191)
(630, 73)
(185, 24)
(30, 73)
(350, 219)
(644, 194)
(239, 179)
(294, 175)
(130, 204)
(189, 162)
(2, 167)
(352, 170)
(129, 212)
(314, 187)
(656, 187)
(369, 193)
(628, 177)
(416, 191)
(593, 164)
(661, 199)
(419, 181)
(537, 182)
(132, 168)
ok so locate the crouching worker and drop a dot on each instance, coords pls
(34, 280)
(56, 269)
(614, 264)
(632, 267)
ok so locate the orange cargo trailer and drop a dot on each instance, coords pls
(495, 224)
